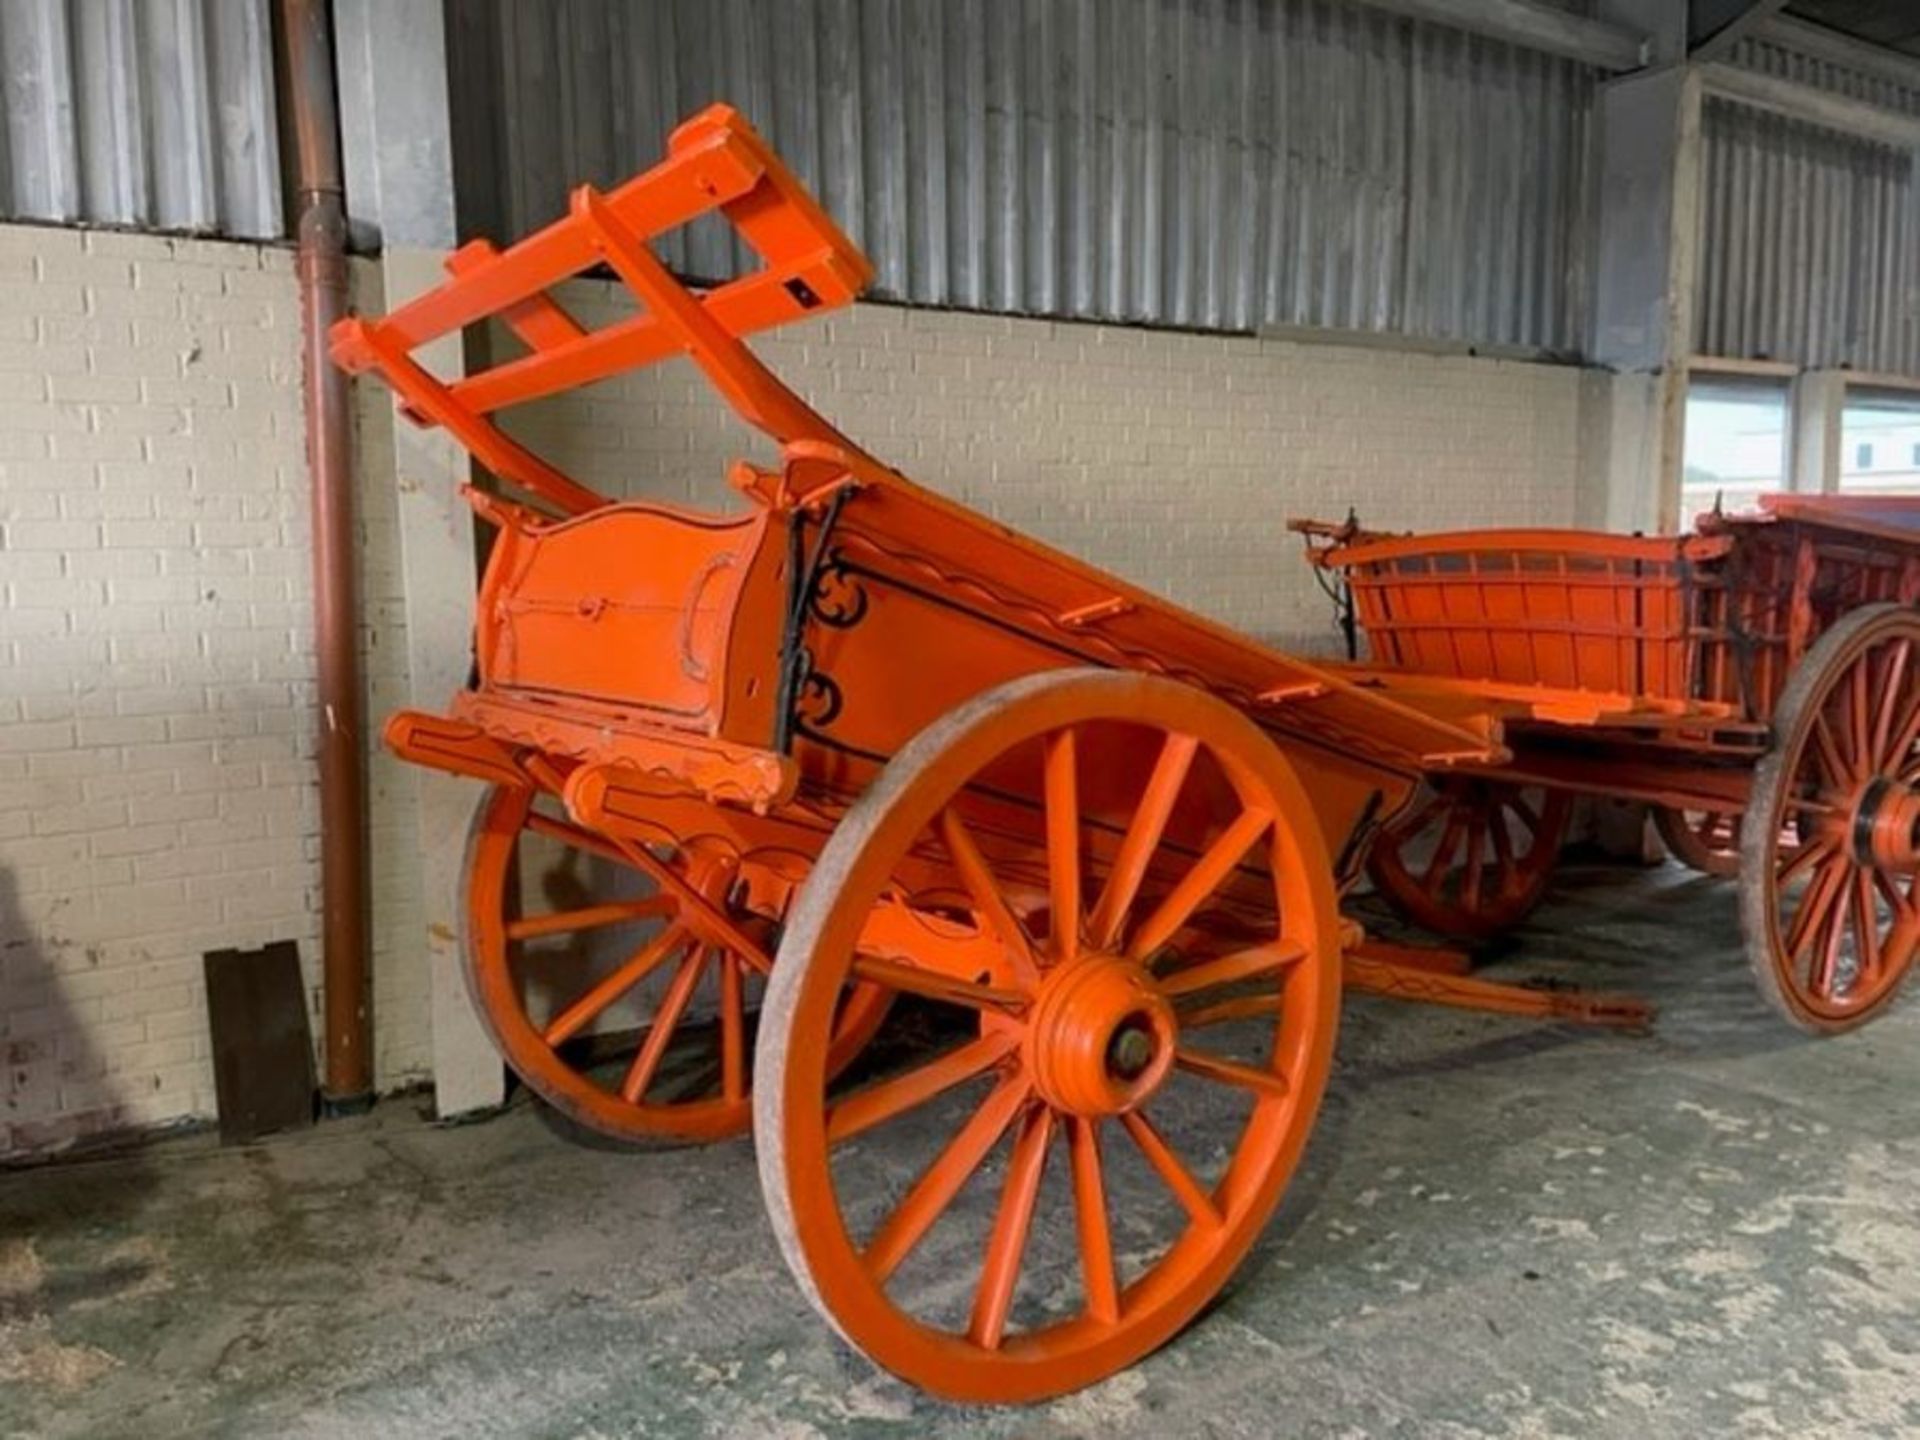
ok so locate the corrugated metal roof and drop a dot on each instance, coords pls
(154, 113)
(1220, 164)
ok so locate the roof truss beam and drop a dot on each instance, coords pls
(1532, 26)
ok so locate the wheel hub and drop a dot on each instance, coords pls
(1101, 1036)
(1885, 828)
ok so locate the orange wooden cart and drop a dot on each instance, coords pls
(1754, 680)
(855, 766)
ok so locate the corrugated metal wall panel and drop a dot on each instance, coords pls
(1207, 163)
(152, 113)
(1810, 238)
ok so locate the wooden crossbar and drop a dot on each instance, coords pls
(714, 162)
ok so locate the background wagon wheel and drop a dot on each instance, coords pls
(1703, 840)
(1827, 850)
(1103, 909)
(1470, 857)
(593, 990)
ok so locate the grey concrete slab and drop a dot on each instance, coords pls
(1500, 1230)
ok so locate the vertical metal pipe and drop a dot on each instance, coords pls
(306, 33)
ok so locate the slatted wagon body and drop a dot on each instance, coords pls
(1755, 680)
(765, 786)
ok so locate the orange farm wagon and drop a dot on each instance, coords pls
(864, 821)
(1756, 681)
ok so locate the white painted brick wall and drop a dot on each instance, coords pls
(1174, 460)
(157, 793)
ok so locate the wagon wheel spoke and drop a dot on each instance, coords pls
(1808, 854)
(1239, 1007)
(866, 1108)
(1008, 1245)
(1171, 1169)
(1811, 917)
(944, 1178)
(1470, 875)
(646, 1062)
(643, 962)
(1253, 963)
(985, 890)
(1827, 749)
(1206, 876)
(1442, 856)
(573, 836)
(1263, 1083)
(1884, 752)
(1529, 817)
(1090, 1217)
(1866, 925)
(1142, 839)
(937, 985)
(1505, 866)
(1901, 905)
(1063, 844)
(1826, 944)
(1421, 816)
(1859, 732)
(1809, 805)
(589, 917)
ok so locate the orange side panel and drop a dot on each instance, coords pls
(1559, 610)
(633, 603)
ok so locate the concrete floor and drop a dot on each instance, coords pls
(1500, 1230)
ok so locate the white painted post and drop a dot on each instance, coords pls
(396, 133)
(1819, 398)
(1643, 310)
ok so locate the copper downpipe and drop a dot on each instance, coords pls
(306, 35)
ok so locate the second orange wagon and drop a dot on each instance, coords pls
(1756, 681)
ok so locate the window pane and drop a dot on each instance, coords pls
(1736, 443)
(1880, 443)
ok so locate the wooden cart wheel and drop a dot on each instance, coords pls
(1471, 857)
(1829, 846)
(1076, 1032)
(1703, 840)
(554, 981)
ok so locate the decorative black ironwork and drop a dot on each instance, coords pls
(803, 572)
(820, 700)
(839, 601)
